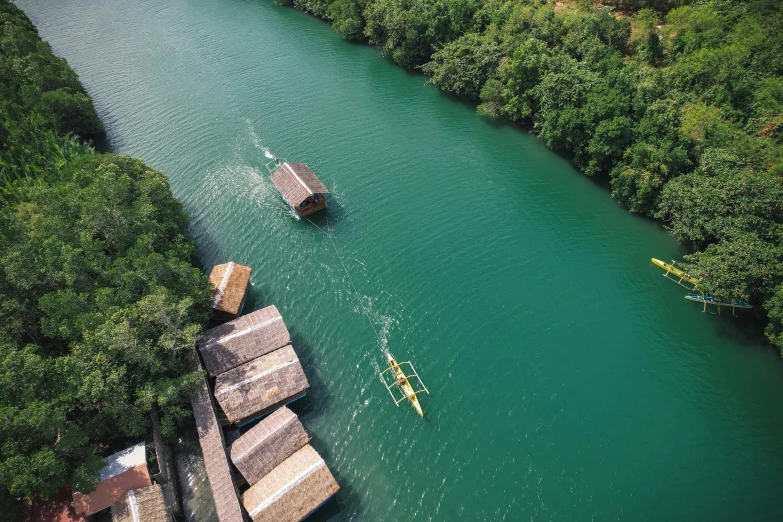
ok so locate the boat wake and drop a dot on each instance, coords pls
(257, 140)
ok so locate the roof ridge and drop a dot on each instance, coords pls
(286, 165)
(222, 286)
(255, 377)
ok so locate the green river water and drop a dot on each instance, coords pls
(569, 380)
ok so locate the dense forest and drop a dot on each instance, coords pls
(679, 104)
(99, 300)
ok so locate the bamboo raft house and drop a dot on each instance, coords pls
(123, 471)
(234, 343)
(141, 505)
(291, 491)
(300, 188)
(261, 385)
(230, 283)
(210, 437)
(267, 444)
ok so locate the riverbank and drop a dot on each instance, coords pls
(98, 294)
(630, 97)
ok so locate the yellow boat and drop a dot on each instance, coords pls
(672, 270)
(403, 384)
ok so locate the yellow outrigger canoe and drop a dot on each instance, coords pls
(672, 270)
(403, 383)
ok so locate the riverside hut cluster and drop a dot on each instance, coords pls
(252, 373)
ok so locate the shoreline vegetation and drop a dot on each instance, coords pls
(678, 103)
(100, 302)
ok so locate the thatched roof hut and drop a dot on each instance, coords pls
(122, 472)
(216, 464)
(243, 339)
(141, 505)
(292, 490)
(268, 444)
(230, 283)
(300, 187)
(261, 385)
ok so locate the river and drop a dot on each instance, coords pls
(569, 380)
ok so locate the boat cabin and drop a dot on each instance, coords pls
(261, 385)
(239, 341)
(267, 444)
(300, 188)
(293, 490)
(230, 284)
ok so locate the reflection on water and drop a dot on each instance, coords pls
(197, 502)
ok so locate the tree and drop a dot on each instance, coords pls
(705, 208)
(464, 65)
(104, 307)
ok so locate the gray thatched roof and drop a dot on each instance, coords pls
(230, 283)
(296, 182)
(261, 385)
(141, 505)
(292, 490)
(216, 463)
(243, 339)
(267, 444)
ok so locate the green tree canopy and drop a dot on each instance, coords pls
(101, 307)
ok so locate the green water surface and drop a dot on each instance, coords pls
(569, 380)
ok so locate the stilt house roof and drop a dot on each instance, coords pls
(122, 472)
(292, 490)
(268, 444)
(243, 339)
(261, 385)
(210, 437)
(296, 182)
(141, 505)
(230, 282)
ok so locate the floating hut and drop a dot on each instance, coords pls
(231, 282)
(291, 491)
(141, 505)
(244, 339)
(261, 385)
(300, 187)
(122, 472)
(210, 437)
(267, 444)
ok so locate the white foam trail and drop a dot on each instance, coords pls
(257, 140)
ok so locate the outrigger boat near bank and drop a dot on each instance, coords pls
(403, 384)
(680, 277)
(676, 274)
(708, 300)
